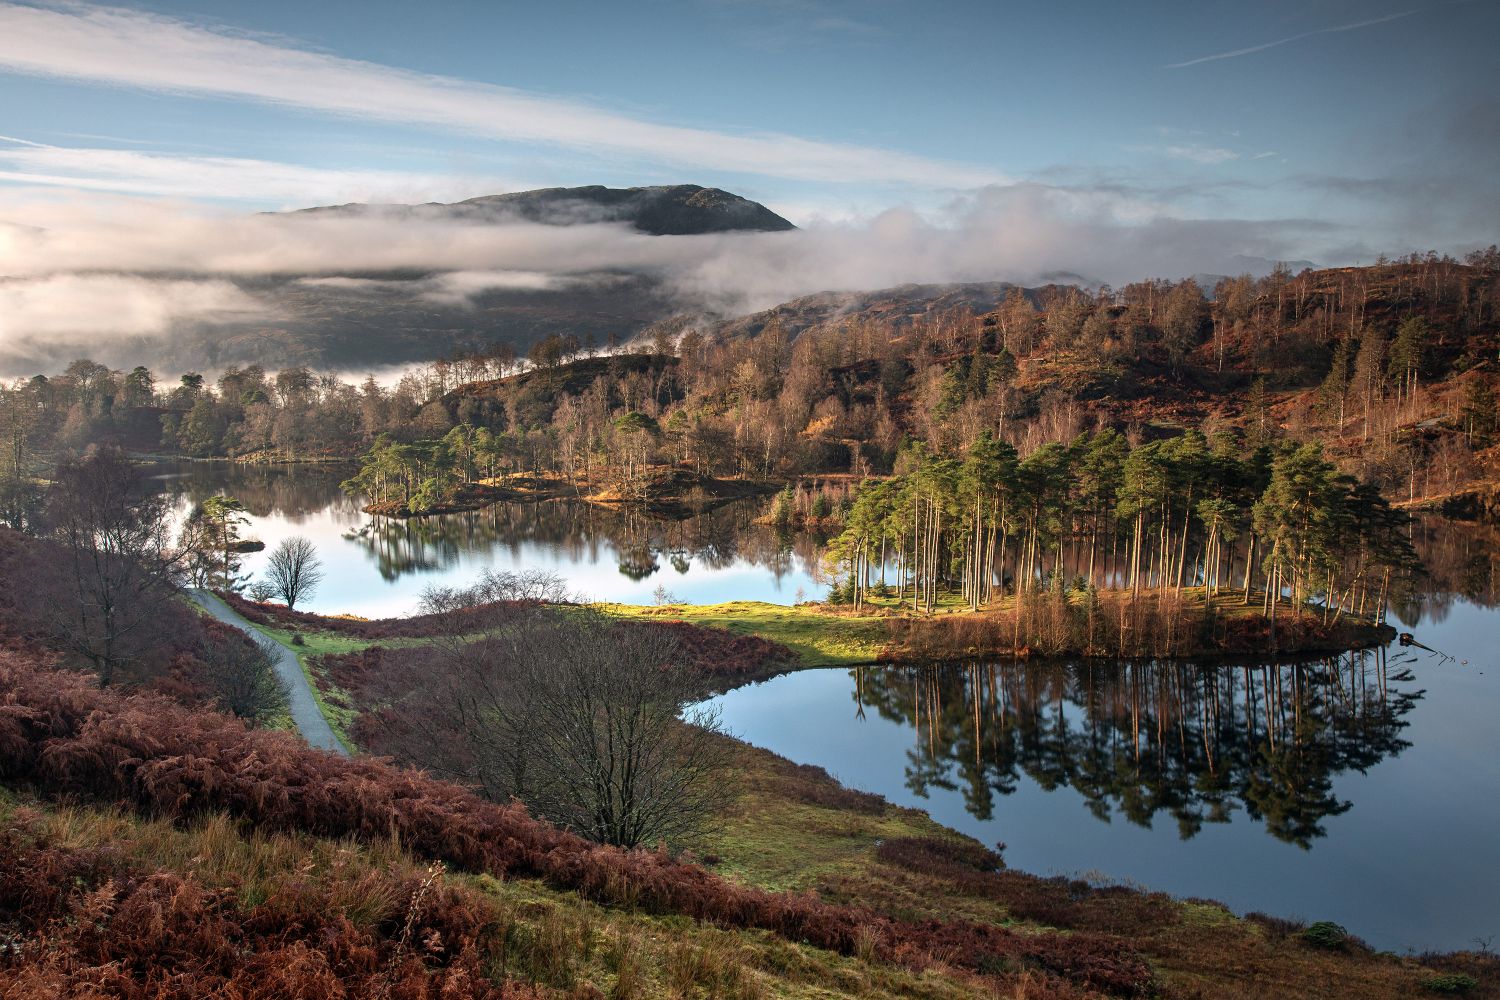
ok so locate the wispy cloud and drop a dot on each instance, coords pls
(1235, 53)
(223, 178)
(1201, 154)
(129, 48)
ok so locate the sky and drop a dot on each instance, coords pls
(958, 140)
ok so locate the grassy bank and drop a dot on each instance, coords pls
(794, 828)
(819, 637)
(1160, 624)
(668, 494)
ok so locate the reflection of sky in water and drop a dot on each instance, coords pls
(360, 578)
(1411, 865)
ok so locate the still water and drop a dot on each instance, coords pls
(1363, 789)
(378, 567)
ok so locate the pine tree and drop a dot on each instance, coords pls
(1406, 354)
(1334, 393)
(1479, 412)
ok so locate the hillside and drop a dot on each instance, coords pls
(899, 307)
(662, 210)
(155, 850)
(340, 316)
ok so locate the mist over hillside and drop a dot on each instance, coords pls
(362, 286)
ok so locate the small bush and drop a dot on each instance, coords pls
(298, 640)
(1326, 934)
(1451, 983)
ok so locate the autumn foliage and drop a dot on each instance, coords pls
(90, 922)
(62, 736)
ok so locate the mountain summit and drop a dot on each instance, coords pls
(662, 210)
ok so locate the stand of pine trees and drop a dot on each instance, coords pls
(1097, 515)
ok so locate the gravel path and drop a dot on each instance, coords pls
(304, 707)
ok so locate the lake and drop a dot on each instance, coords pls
(1363, 789)
(379, 566)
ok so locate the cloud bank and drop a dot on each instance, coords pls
(84, 269)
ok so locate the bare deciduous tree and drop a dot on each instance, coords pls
(588, 723)
(104, 599)
(532, 586)
(294, 570)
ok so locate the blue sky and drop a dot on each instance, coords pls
(1074, 94)
(911, 141)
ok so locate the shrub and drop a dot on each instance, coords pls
(1451, 983)
(93, 923)
(927, 853)
(1326, 934)
(1279, 927)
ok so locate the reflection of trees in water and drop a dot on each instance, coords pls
(1190, 742)
(1461, 560)
(266, 491)
(579, 532)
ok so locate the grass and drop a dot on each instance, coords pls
(793, 829)
(820, 638)
(796, 829)
(832, 636)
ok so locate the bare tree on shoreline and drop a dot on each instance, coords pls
(294, 570)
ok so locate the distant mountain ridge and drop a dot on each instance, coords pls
(661, 210)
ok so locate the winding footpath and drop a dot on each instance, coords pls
(304, 706)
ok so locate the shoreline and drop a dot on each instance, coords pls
(796, 828)
(674, 497)
(821, 636)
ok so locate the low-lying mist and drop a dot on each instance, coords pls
(109, 275)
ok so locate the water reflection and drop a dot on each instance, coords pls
(1461, 563)
(379, 566)
(641, 546)
(267, 491)
(1193, 743)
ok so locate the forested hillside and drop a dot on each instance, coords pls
(1391, 368)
